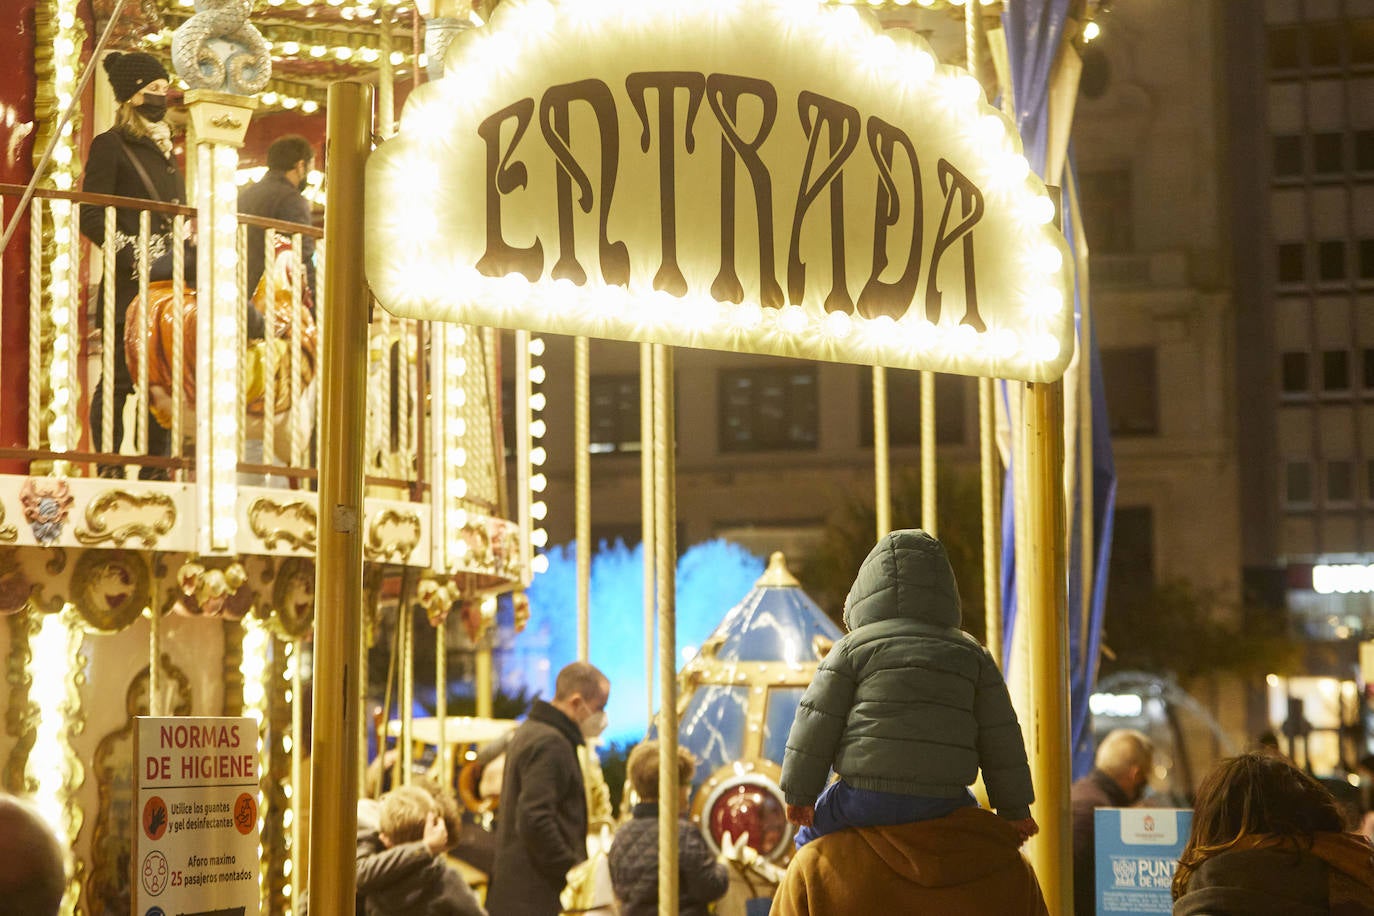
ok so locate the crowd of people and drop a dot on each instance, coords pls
(905, 713)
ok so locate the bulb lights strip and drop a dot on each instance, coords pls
(450, 435)
(257, 644)
(424, 246)
(53, 768)
(217, 318)
(63, 280)
(538, 482)
(523, 449)
(291, 825)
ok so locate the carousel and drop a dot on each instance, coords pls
(351, 464)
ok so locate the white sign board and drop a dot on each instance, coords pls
(764, 176)
(195, 851)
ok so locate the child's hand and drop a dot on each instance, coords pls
(1026, 829)
(801, 815)
(436, 833)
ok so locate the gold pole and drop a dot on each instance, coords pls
(386, 85)
(154, 657)
(1087, 567)
(928, 521)
(987, 435)
(441, 700)
(1046, 618)
(882, 482)
(298, 800)
(646, 512)
(990, 476)
(339, 569)
(405, 622)
(582, 465)
(482, 671)
(666, 559)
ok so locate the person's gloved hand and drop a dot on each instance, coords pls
(801, 815)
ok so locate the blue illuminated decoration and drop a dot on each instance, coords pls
(711, 577)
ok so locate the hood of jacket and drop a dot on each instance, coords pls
(906, 575)
(961, 848)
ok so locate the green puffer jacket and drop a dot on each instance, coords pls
(907, 702)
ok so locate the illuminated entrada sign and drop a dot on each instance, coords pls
(761, 177)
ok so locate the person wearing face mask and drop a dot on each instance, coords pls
(277, 195)
(541, 827)
(132, 159)
(1120, 774)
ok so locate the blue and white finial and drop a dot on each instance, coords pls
(219, 49)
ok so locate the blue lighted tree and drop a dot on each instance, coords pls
(712, 577)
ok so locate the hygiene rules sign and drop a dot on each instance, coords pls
(1137, 852)
(196, 844)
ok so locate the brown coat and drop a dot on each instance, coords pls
(967, 863)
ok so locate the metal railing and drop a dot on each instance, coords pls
(76, 359)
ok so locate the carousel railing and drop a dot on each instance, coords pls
(72, 317)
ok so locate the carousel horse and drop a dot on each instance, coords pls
(283, 267)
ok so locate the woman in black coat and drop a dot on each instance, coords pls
(132, 159)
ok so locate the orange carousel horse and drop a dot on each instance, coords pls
(284, 363)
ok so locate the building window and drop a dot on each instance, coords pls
(1131, 574)
(767, 409)
(1367, 259)
(1368, 369)
(1294, 372)
(1129, 375)
(1335, 371)
(1361, 35)
(952, 393)
(1340, 482)
(1369, 481)
(1106, 199)
(614, 414)
(1298, 483)
(1288, 156)
(1327, 154)
(1292, 263)
(1324, 40)
(1364, 150)
(1285, 46)
(1331, 261)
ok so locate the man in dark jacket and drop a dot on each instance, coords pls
(277, 195)
(1121, 771)
(541, 827)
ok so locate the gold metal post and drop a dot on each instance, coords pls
(666, 561)
(646, 515)
(1046, 621)
(482, 672)
(582, 471)
(339, 569)
(882, 479)
(990, 470)
(928, 515)
(990, 477)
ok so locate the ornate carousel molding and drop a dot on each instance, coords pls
(119, 516)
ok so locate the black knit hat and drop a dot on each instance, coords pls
(131, 72)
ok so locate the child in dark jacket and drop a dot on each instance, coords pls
(634, 853)
(906, 708)
(411, 818)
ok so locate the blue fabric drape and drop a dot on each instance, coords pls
(1034, 30)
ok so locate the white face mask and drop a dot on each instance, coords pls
(593, 725)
